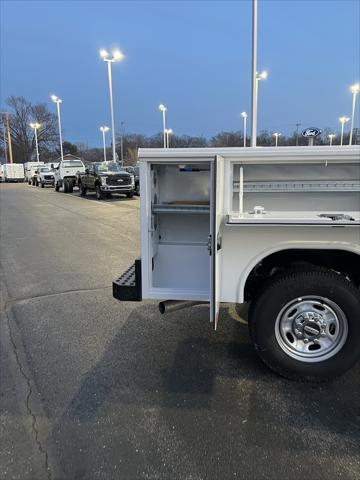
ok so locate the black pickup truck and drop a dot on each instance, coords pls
(105, 178)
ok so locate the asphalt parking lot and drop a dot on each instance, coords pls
(92, 388)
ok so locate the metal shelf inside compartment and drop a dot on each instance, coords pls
(180, 208)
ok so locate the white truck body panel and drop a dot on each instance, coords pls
(297, 186)
(13, 172)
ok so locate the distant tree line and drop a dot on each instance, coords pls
(22, 113)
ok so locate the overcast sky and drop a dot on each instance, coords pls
(195, 57)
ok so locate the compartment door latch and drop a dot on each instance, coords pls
(209, 244)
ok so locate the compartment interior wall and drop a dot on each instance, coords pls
(174, 185)
(180, 256)
(183, 228)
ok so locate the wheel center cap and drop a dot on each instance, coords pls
(312, 329)
(309, 325)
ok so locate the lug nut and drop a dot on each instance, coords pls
(306, 340)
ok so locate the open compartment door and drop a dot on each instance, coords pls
(215, 240)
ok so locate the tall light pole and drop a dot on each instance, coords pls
(103, 130)
(343, 120)
(297, 133)
(168, 132)
(331, 138)
(255, 75)
(122, 131)
(4, 122)
(5, 148)
(355, 90)
(6, 116)
(244, 115)
(116, 57)
(36, 126)
(276, 135)
(58, 100)
(163, 109)
(259, 76)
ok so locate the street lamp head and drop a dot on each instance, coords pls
(168, 131)
(35, 125)
(262, 76)
(343, 120)
(56, 99)
(118, 55)
(276, 134)
(104, 129)
(244, 114)
(355, 88)
(331, 135)
(104, 53)
(162, 108)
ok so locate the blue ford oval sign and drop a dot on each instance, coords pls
(311, 132)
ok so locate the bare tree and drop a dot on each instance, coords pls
(21, 114)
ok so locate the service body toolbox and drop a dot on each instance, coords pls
(276, 227)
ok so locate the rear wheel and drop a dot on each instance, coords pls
(65, 186)
(305, 325)
(29, 182)
(42, 185)
(57, 187)
(71, 186)
(137, 189)
(130, 195)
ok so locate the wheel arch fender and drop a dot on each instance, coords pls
(277, 256)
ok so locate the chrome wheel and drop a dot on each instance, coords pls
(311, 329)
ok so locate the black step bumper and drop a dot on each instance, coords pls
(128, 286)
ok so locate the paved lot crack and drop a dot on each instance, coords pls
(34, 423)
(56, 294)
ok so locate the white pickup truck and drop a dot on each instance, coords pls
(66, 174)
(277, 228)
(44, 176)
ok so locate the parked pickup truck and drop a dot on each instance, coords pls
(65, 175)
(44, 176)
(106, 178)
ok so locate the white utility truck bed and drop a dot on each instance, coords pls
(276, 227)
(13, 172)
